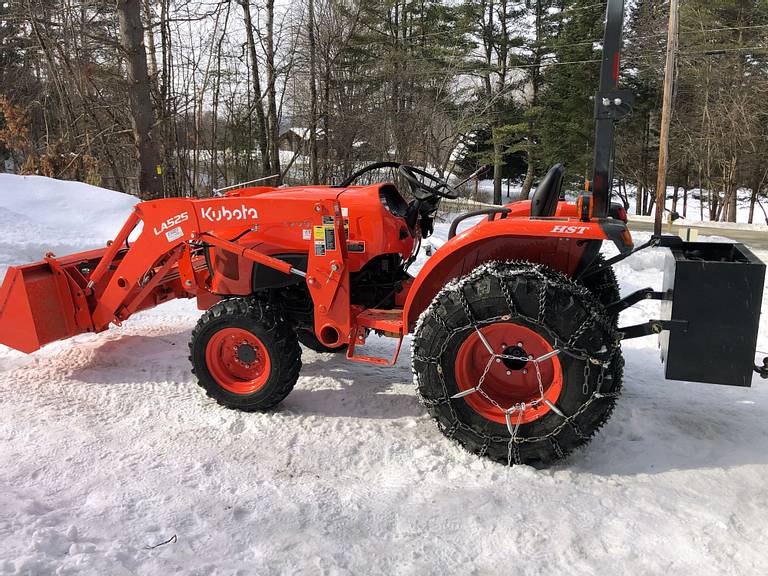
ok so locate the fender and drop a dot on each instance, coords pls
(522, 208)
(560, 243)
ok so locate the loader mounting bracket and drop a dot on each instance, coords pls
(632, 299)
(655, 242)
(614, 104)
(653, 327)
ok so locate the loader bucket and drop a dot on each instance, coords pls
(40, 303)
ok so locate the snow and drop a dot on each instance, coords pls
(695, 211)
(39, 214)
(698, 210)
(108, 447)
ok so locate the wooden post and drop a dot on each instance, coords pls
(666, 115)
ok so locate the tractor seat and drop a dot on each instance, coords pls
(544, 200)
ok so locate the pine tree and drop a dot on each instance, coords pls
(535, 49)
(567, 119)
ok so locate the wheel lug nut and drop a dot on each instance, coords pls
(509, 373)
(520, 344)
(525, 371)
(498, 360)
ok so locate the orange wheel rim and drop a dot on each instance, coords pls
(237, 360)
(508, 382)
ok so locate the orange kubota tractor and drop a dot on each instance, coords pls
(516, 350)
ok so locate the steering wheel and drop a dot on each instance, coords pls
(370, 168)
(411, 174)
(441, 189)
(423, 207)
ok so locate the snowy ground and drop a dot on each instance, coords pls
(107, 447)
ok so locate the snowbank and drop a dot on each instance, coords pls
(39, 214)
(107, 448)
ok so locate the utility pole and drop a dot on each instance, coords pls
(666, 115)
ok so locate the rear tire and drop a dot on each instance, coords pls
(603, 284)
(513, 304)
(244, 355)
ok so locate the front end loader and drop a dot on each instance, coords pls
(516, 347)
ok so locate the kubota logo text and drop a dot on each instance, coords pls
(570, 229)
(219, 214)
(171, 222)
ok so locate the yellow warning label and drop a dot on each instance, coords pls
(319, 232)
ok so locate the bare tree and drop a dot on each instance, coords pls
(142, 115)
(257, 106)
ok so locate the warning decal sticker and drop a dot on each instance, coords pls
(330, 238)
(174, 234)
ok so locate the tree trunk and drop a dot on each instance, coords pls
(172, 183)
(701, 197)
(649, 199)
(675, 196)
(490, 46)
(312, 95)
(622, 191)
(214, 167)
(274, 128)
(530, 172)
(757, 185)
(325, 120)
(733, 190)
(261, 123)
(142, 116)
(644, 159)
(153, 70)
(498, 167)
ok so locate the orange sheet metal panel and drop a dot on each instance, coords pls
(34, 310)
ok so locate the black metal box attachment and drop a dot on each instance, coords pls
(718, 291)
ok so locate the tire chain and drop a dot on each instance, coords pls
(550, 279)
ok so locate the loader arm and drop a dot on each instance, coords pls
(172, 229)
(58, 298)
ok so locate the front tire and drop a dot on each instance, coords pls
(501, 405)
(244, 355)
